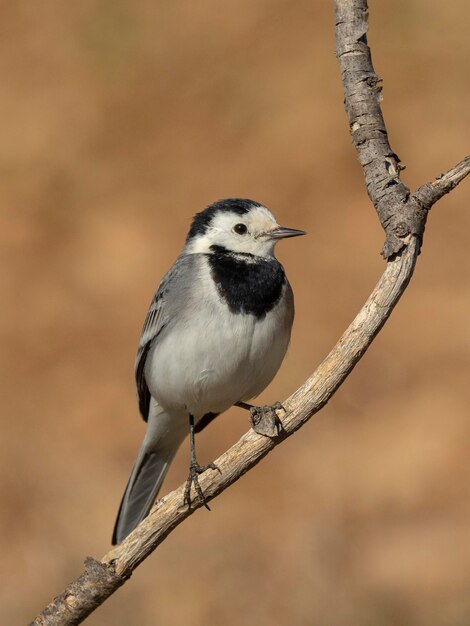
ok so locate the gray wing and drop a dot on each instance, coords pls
(158, 317)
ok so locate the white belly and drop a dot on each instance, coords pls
(213, 359)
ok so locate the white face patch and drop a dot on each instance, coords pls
(259, 221)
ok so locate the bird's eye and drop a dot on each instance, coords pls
(240, 229)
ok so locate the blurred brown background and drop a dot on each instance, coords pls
(118, 120)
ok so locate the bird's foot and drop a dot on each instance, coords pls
(265, 420)
(193, 479)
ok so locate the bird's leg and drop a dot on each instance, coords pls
(264, 419)
(195, 469)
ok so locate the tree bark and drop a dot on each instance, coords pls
(403, 216)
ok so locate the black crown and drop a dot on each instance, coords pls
(201, 221)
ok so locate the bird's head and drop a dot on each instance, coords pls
(236, 225)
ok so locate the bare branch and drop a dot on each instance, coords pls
(401, 213)
(403, 216)
(362, 94)
(118, 564)
(430, 193)
(82, 596)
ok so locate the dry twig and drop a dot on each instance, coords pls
(403, 216)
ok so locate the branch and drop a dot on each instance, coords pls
(403, 216)
(430, 193)
(362, 95)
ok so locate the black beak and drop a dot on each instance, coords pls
(283, 232)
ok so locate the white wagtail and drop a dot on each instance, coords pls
(215, 335)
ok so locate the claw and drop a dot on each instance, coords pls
(194, 470)
(265, 421)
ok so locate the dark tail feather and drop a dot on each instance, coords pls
(144, 484)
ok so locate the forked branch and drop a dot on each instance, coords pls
(403, 216)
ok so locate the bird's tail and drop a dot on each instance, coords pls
(150, 468)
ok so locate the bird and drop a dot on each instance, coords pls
(215, 335)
